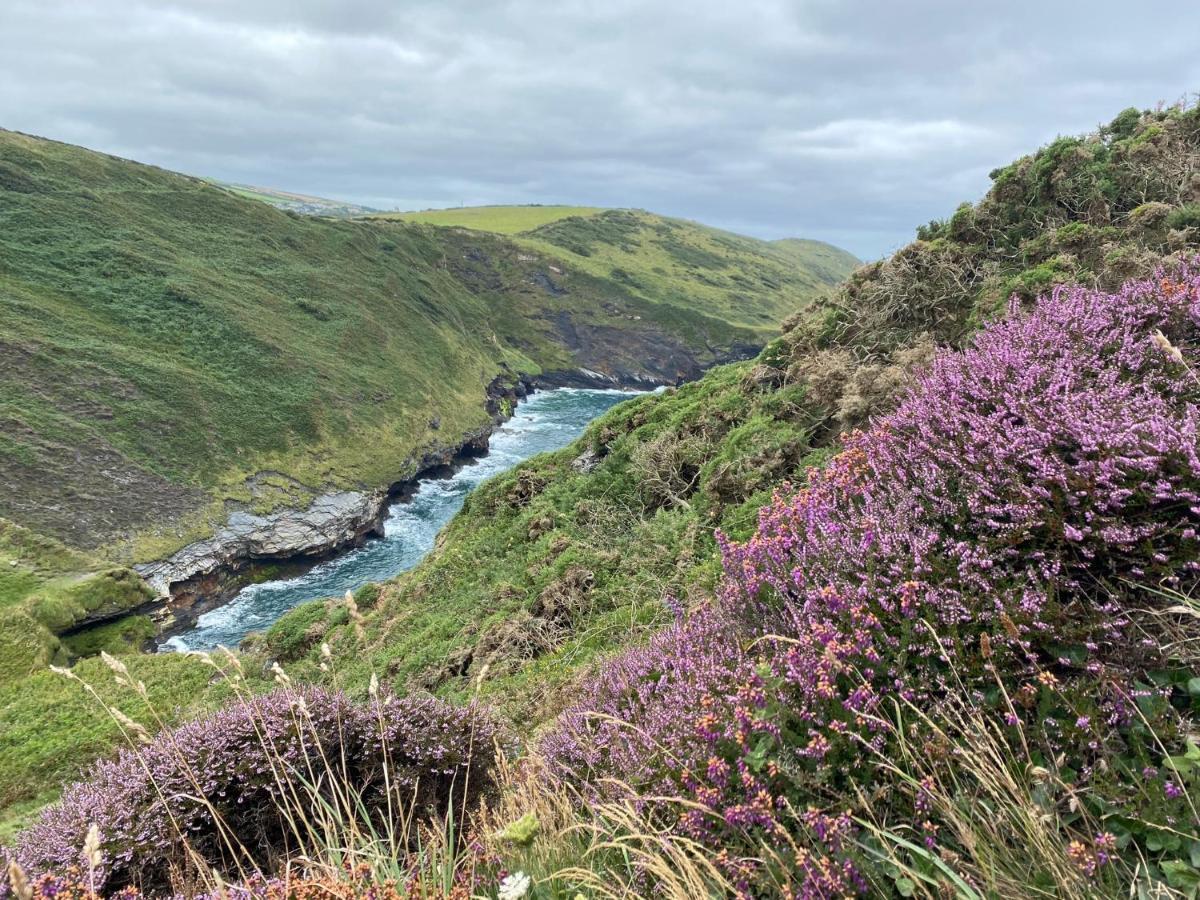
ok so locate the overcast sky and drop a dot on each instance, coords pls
(846, 121)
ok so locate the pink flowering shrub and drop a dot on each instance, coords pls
(233, 784)
(993, 538)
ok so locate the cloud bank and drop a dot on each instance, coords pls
(846, 121)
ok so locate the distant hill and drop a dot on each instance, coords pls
(496, 219)
(672, 261)
(818, 257)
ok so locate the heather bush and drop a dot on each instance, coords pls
(1001, 543)
(267, 777)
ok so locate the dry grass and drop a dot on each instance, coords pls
(608, 849)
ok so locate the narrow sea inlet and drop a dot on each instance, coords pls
(547, 420)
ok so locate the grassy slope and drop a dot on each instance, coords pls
(198, 338)
(47, 588)
(174, 339)
(171, 348)
(670, 261)
(549, 566)
(822, 259)
(51, 728)
(654, 256)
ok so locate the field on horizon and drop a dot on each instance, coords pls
(496, 219)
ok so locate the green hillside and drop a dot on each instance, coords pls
(682, 264)
(822, 259)
(670, 261)
(167, 340)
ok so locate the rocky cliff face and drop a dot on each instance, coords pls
(642, 359)
(206, 568)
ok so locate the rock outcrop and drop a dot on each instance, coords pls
(209, 572)
(205, 568)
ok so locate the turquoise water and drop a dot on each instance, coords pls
(547, 420)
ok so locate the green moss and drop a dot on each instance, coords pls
(1040, 278)
(46, 589)
(367, 595)
(129, 634)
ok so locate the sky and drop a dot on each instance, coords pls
(850, 122)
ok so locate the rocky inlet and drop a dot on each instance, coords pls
(210, 568)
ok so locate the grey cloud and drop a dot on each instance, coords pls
(848, 121)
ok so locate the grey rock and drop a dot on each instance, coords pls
(332, 521)
(586, 461)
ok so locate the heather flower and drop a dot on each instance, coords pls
(1013, 493)
(241, 767)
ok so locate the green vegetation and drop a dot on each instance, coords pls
(51, 728)
(47, 589)
(174, 350)
(669, 261)
(1097, 209)
(496, 219)
(681, 264)
(558, 563)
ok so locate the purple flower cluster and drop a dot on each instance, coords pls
(249, 762)
(1006, 510)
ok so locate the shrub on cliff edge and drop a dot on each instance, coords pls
(995, 550)
(264, 779)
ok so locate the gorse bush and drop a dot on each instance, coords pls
(1097, 209)
(1000, 544)
(264, 779)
